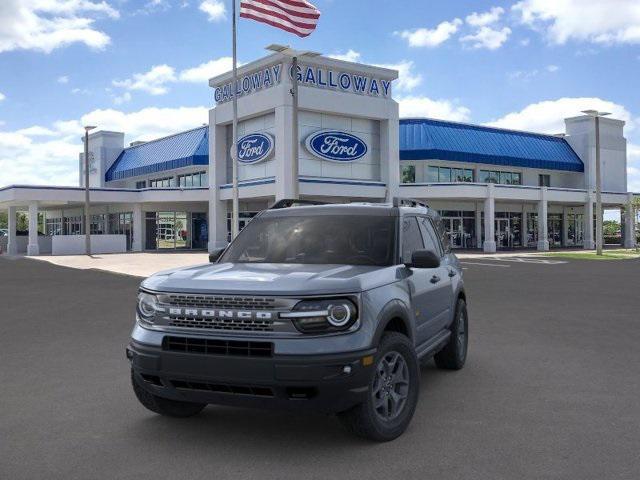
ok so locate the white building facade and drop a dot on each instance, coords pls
(495, 189)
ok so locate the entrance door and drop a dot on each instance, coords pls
(456, 234)
(504, 237)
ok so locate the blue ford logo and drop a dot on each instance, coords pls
(255, 147)
(336, 146)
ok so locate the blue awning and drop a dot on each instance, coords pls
(183, 149)
(427, 139)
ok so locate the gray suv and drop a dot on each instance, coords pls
(322, 307)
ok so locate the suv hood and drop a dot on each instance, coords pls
(271, 279)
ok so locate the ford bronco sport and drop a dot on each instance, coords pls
(322, 307)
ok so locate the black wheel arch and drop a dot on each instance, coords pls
(395, 316)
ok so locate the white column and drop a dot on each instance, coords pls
(629, 224)
(478, 225)
(32, 246)
(218, 209)
(589, 242)
(390, 154)
(284, 155)
(138, 222)
(543, 240)
(489, 245)
(12, 246)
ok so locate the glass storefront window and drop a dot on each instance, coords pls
(447, 175)
(554, 229)
(575, 229)
(432, 174)
(460, 228)
(176, 230)
(532, 229)
(488, 176)
(504, 178)
(122, 224)
(409, 174)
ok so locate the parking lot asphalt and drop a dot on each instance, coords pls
(551, 389)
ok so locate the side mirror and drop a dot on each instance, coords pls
(215, 255)
(424, 259)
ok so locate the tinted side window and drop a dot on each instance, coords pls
(411, 238)
(442, 234)
(430, 238)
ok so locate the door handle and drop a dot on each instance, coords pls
(435, 279)
(452, 273)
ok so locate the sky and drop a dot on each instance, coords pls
(141, 66)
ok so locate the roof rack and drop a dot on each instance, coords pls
(294, 202)
(408, 202)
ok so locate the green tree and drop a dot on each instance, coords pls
(3, 220)
(610, 228)
(22, 222)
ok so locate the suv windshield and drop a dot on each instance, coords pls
(318, 239)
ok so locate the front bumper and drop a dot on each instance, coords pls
(324, 383)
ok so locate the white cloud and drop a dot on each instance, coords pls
(120, 99)
(203, 72)
(548, 116)
(419, 106)
(349, 56)
(487, 37)
(595, 21)
(214, 9)
(154, 81)
(407, 78)
(157, 80)
(2, 96)
(63, 79)
(48, 155)
(424, 37)
(45, 25)
(486, 18)
(526, 75)
(525, 42)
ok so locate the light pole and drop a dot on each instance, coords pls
(87, 217)
(596, 114)
(295, 146)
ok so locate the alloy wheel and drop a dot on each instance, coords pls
(390, 386)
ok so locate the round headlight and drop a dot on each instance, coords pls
(339, 315)
(146, 305)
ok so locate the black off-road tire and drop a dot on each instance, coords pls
(363, 420)
(454, 354)
(164, 406)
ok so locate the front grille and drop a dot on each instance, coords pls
(218, 301)
(223, 388)
(206, 346)
(243, 325)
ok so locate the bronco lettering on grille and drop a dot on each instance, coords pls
(208, 313)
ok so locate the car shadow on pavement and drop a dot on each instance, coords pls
(218, 427)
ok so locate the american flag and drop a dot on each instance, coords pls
(295, 16)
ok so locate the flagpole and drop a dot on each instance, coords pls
(234, 149)
(294, 129)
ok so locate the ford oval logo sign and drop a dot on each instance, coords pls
(336, 146)
(255, 147)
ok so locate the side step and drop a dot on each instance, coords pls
(432, 346)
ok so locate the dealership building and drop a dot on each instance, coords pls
(495, 188)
